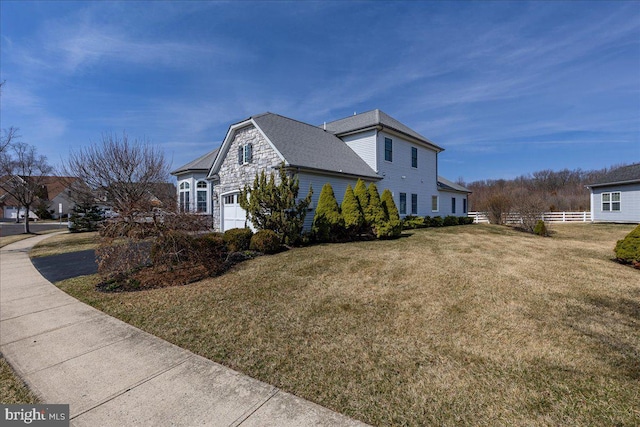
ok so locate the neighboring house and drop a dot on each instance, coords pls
(616, 196)
(56, 194)
(372, 146)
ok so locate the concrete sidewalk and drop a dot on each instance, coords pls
(113, 374)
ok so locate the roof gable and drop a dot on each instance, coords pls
(307, 146)
(371, 119)
(624, 174)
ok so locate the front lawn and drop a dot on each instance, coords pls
(475, 325)
(64, 243)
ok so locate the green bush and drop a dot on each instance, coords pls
(467, 220)
(436, 221)
(328, 223)
(540, 228)
(362, 194)
(374, 213)
(628, 249)
(265, 241)
(352, 213)
(392, 226)
(411, 222)
(450, 220)
(238, 239)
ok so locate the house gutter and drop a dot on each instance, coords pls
(332, 173)
(632, 181)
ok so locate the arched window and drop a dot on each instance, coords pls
(201, 196)
(184, 197)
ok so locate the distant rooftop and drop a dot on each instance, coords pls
(445, 184)
(621, 175)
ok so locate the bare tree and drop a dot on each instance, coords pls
(24, 172)
(123, 173)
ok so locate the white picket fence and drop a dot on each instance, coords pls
(514, 218)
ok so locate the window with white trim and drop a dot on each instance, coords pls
(185, 192)
(201, 196)
(230, 199)
(245, 154)
(611, 201)
(434, 204)
(414, 204)
(403, 203)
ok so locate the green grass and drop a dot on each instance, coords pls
(12, 390)
(64, 243)
(7, 240)
(468, 325)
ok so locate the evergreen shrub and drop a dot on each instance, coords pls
(328, 223)
(412, 222)
(238, 239)
(450, 220)
(436, 221)
(265, 241)
(540, 228)
(374, 213)
(352, 213)
(391, 227)
(628, 249)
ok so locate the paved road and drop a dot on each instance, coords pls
(65, 266)
(11, 228)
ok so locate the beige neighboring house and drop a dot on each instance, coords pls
(56, 193)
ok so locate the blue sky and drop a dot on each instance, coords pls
(507, 88)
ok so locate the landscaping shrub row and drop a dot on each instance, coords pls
(413, 222)
(363, 214)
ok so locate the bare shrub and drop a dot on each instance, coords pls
(118, 260)
(498, 206)
(529, 208)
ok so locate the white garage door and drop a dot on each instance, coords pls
(233, 216)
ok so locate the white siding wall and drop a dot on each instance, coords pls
(446, 204)
(364, 144)
(629, 204)
(338, 184)
(400, 177)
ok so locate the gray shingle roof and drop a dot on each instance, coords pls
(308, 146)
(373, 118)
(202, 163)
(620, 175)
(446, 185)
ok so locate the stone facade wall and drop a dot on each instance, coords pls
(233, 176)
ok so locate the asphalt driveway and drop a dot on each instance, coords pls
(65, 266)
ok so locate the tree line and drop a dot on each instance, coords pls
(543, 191)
